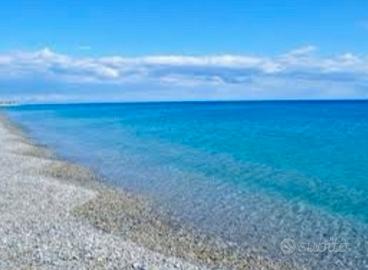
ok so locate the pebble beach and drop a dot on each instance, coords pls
(38, 229)
(57, 215)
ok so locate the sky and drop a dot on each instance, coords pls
(143, 50)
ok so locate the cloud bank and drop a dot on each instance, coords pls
(300, 73)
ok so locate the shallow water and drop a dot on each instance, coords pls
(255, 173)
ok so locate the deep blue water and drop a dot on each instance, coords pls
(253, 172)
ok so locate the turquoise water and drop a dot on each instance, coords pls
(254, 173)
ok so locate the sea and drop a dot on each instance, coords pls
(287, 179)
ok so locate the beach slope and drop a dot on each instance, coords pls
(38, 229)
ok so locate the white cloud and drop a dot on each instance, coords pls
(302, 51)
(299, 70)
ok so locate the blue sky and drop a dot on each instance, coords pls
(178, 50)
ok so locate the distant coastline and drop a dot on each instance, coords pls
(7, 103)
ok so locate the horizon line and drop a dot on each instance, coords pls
(15, 104)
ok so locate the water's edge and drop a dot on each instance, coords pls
(134, 217)
(247, 177)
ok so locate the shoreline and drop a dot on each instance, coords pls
(99, 226)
